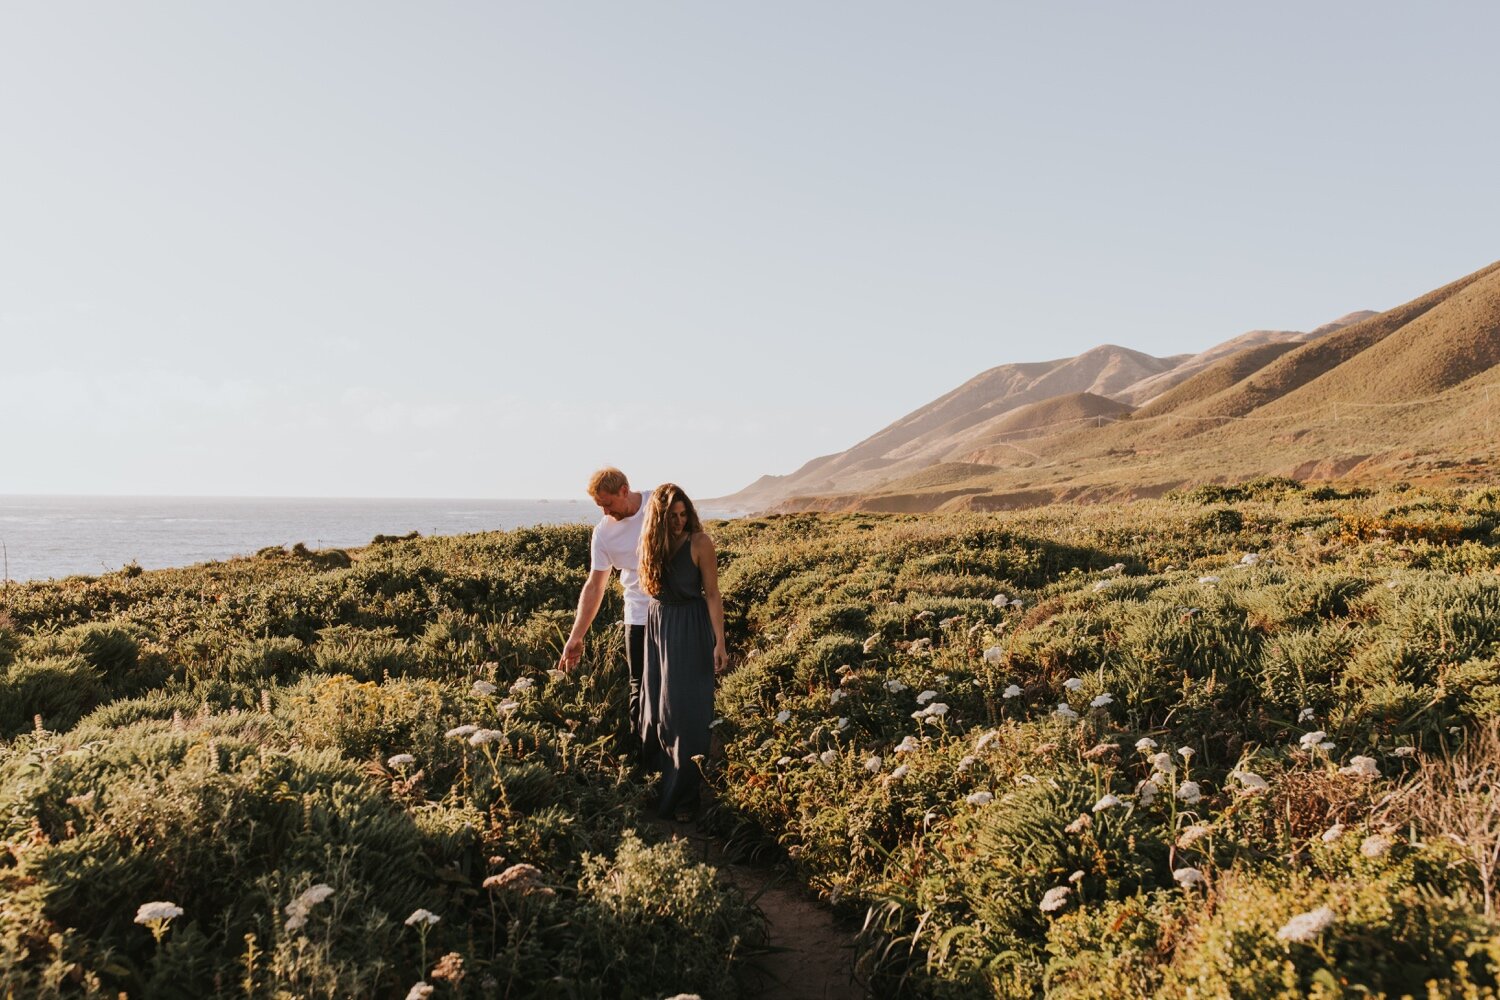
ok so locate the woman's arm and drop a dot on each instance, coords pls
(707, 561)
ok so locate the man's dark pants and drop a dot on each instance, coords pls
(635, 663)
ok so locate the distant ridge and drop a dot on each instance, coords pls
(1410, 393)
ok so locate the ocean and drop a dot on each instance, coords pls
(44, 537)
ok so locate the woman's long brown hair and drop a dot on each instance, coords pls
(656, 534)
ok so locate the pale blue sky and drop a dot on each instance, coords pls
(439, 249)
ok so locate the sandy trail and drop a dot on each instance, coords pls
(811, 956)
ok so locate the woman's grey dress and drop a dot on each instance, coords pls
(677, 687)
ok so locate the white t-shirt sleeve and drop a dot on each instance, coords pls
(597, 558)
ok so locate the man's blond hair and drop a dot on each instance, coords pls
(607, 481)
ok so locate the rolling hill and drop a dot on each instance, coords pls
(1411, 393)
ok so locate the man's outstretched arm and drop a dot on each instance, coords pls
(589, 599)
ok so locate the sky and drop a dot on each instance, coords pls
(479, 249)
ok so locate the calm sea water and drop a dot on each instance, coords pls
(46, 537)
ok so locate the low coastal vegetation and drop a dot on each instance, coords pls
(1238, 741)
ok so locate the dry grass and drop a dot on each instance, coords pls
(1456, 797)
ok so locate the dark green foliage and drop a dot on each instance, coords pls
(58, 689)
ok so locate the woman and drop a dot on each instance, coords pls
(684, 643)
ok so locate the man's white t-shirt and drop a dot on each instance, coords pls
(614, 545)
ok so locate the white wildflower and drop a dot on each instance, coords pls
(1210, 579)
(900, 772)
(842, 724)
(1079, 825)
(1191, 835)
(1186, 753)
(1064, 711)
(894, 686)
(1188, 877)
(557, 675)
(151, 912)
(926, 696)
(421, 916)
(979, 798)
(1076, 877)
(522, 684)
(1306, 926)
(1000, 600)
(874, 763)
(1404, 752)
(1055, 898)
(1361, 767)
(829, 757)
(1163, 762)
(459, 732)
(1016, 602)
(1305, 715)
(871, 644)
(1100, 701)
(400, 760)
(985, 739)
(1145, 743)
(993, 654)
(1073, 683)
(1250, 781)
(1146, 792)
(1249, 558)
(1374, 845)
(1013, 691)
(1106, 802)
(1189, 792)
(783, 716)
(1333, 833)
(482, 736)
(1115, 569)
(937, 709)
(969, 761)
(1312, 739)
(507, 706)
(483, 688)
(908, 744)
(835, 696)
(1102, 585)
(783, 761)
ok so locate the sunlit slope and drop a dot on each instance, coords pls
(1408, 394)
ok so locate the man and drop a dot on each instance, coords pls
(613, 547)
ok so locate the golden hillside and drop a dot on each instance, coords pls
(1412, 393)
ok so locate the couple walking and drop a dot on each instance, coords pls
(674, 618)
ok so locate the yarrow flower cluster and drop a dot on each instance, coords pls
(1188, 877)
(298, 909)
(934, 711)
(149, 913)
(1315, 740)
(483, 688)
(422, 918)
(1306, 926)
(400, 760)
(1055, 898)
(1013, 691)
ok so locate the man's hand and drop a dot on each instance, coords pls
(571, 654)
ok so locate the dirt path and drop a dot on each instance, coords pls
(811, 956)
